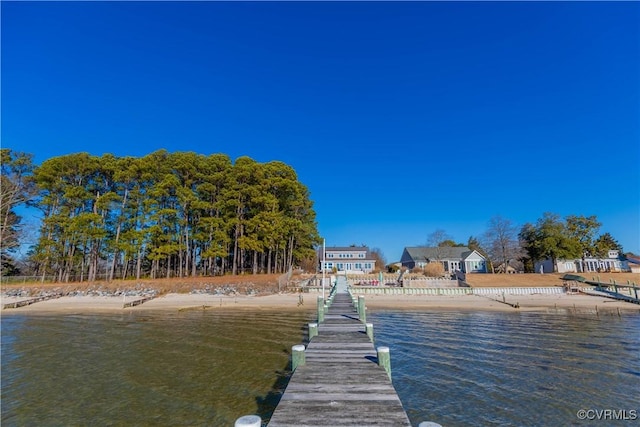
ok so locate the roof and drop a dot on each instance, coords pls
(347, 248)
(365, 249)
(422, 253)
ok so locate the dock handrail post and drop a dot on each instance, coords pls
(384, 359)
(248, 421)
(297, 356)
(313, 330)
(362, 310)
(320, 309)
(369, 329)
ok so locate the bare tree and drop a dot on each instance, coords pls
(501, 241)
(435, 239)
(381, 262)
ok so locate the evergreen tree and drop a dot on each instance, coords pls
(16, 189)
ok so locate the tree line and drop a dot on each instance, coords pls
(505, 244)
(161, 215)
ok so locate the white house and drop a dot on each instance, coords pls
(453, 258)
(352, 259)
(611, 262)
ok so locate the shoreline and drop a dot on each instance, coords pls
(287, 302)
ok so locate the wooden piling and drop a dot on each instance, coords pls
(384, 359)
(369, 329)
(313, 330)
(248, 421)
(320, 309)
(297, 356)
(362, 310)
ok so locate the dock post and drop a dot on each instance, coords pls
(320, 309)
(362, 310)
(384, 359)
(248, 421)
(369, 329)
(297, 356)
(313, 330)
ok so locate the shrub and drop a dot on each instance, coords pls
(434, 269)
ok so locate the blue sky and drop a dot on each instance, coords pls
(400, 118)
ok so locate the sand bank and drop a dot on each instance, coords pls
(288, 301)
(170, 302)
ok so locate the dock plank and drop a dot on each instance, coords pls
(340, 383)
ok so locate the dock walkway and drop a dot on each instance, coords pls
(340, 382)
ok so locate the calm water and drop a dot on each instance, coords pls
(208, 368)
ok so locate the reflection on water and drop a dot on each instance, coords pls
(190, 368)
(208, 368)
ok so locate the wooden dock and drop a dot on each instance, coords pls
(340, 382)
(137, 302)
(30, 301)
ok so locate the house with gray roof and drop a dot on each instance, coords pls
(590, 264)
(351, 259)
(453, 258)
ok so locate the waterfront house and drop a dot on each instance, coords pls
(349, 259)
(453, 258)
(611, 262)
(632, 265)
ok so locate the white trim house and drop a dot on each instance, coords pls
(351, 259)
(453, 258)
(611, 262)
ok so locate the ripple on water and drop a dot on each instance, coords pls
(509, 368)
(207, 367)
(191, 368)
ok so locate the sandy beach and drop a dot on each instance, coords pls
(290, 301)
